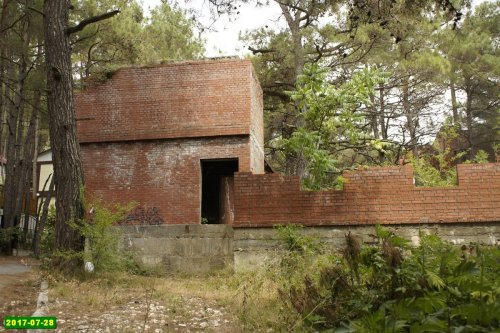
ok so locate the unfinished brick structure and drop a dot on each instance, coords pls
(185, 140)
(170, 136)
(382, 195)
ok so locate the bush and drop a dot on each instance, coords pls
(393, 287)
(7, 236)
(102, 241)
(296, 243)
(49, 233)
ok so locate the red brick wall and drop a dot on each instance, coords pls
(187, 99)
(144, 131)
(160, 174)
(384, 195)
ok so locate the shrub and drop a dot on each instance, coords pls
(49, 233)
(392, 287)
(7, 235)
(102, 241)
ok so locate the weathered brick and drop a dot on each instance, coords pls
(145, 130)
(384, 195)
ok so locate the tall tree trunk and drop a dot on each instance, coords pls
(374, 117)
(27, 170)
(295, 165)
(20, 149)
(454, 103)
(10, 194)
(382, 120)
(14, 124)
(470, 122)
(293, 23)
(68, 172)
(15, 170)
(36, 139)
(410, 117)
(3, 56)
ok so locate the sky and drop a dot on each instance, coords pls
(223, 37)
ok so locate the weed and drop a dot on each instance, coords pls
(7, 235)
(386, 287)
(103, 242)
(392, 287)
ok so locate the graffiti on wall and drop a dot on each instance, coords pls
(143, 216)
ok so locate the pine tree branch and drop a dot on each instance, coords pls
(80, 26)
(255, 51)
(14, 23)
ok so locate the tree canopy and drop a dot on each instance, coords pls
(438, 60)
(346, 83)
(44, 47)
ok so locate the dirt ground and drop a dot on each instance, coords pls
(19, 286)
(138, 304)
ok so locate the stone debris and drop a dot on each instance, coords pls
(190, 314)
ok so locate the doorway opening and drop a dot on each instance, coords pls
(216, 190)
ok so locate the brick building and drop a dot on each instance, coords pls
(185, 141)
(170, 138)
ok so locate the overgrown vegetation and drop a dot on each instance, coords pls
(48, 233)
(424, 57)
(8, 235)
(439, 167)
(395, 287)
(328, 127)
(306, 286)
(102, 242)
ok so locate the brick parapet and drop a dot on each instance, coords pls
(384, 195)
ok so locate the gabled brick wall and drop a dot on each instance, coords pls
(384, 195)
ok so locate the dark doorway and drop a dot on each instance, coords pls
(215, 177)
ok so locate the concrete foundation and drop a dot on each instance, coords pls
(194, 249)
(257, 246)
(186, 248)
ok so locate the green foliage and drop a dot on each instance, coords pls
(104, 238)
(7, 235)
(472, 52)
(480, 157)
(439, 168)
(131, 37)
(48, 236)
(169, 35)
(301, 253)
(297, 243)
(102, 242)
(394, 287)
(428, 47)
(328, 123)
(426, 174)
